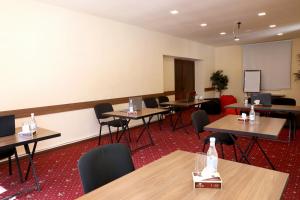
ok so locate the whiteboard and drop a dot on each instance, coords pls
(252, 80)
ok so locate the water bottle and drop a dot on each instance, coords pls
(252, 113)
(130, 105)
(212, 157)
(32, 123)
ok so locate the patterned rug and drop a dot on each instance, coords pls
(59, 177)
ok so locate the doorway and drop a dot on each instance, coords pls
(184, 78)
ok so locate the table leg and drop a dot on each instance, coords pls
(30, 157)
(244, 155)
(265, 155)
(124, 128)
(147, 129)
(29, 165)
(179, 120)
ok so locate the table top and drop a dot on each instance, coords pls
(183, 103)
(145, 112)
(171, 178)
(282, 108)
(264, 127)
(16, 140)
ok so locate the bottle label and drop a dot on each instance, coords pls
(252, 117)
(212, 164)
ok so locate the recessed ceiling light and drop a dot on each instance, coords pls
(236, 39)
(261, 14)
(203, 24)
(279, 34)
(174, 12)
(272, 26)
(223, 33)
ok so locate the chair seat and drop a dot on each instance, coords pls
(115, 123)
(221, 138)
(5, 153)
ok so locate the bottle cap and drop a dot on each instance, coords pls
(212, 139)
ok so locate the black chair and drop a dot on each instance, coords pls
(199, 120)
(152, 103)
(7, 127)
(103, 165)
(103, 121)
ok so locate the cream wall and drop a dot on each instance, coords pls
(51, 55)
(229, 59)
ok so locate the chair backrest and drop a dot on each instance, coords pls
(103, 165)
(150, 102)
(199, 120)
(102, 108)
(265, 98)
(7, 125)
(162, 99)
(284, 101)
(226, 100)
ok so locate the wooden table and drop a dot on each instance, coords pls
(141, 114)
(183, 104)
(262, 127)
(16, 140)
(291, 110)
(170, 178)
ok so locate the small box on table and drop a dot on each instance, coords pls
(213, 181)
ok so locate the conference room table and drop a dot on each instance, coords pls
(17, 140)
(140, 114)
(170, 178)
(290, 110)
(182, 105)
(262, 127)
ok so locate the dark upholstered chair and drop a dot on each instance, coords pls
(152, 103)
(7, 127)
(199, 120)
(104, 121)
(103, 165)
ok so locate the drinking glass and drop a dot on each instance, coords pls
(200, 162)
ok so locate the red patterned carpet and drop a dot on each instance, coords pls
(59, 176)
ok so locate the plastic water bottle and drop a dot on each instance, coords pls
(212, 157)
(32, 123)
(252, 114)
(130, 105)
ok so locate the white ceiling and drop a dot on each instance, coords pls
(220, 15)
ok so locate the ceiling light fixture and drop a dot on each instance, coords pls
(174, 12)
(236, 31)
(272, 26)
(203, 24)
(261, 14)
(223, 33)
(279, 34)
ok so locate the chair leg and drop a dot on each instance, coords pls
(203, 146)
(19, 167)
(127, 127)
(222, 150)
(117, 133)
(159, 121)
(9, 166)
(99, 139)
(111, 139)
(235, 155)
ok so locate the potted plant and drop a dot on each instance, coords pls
(219, 81)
